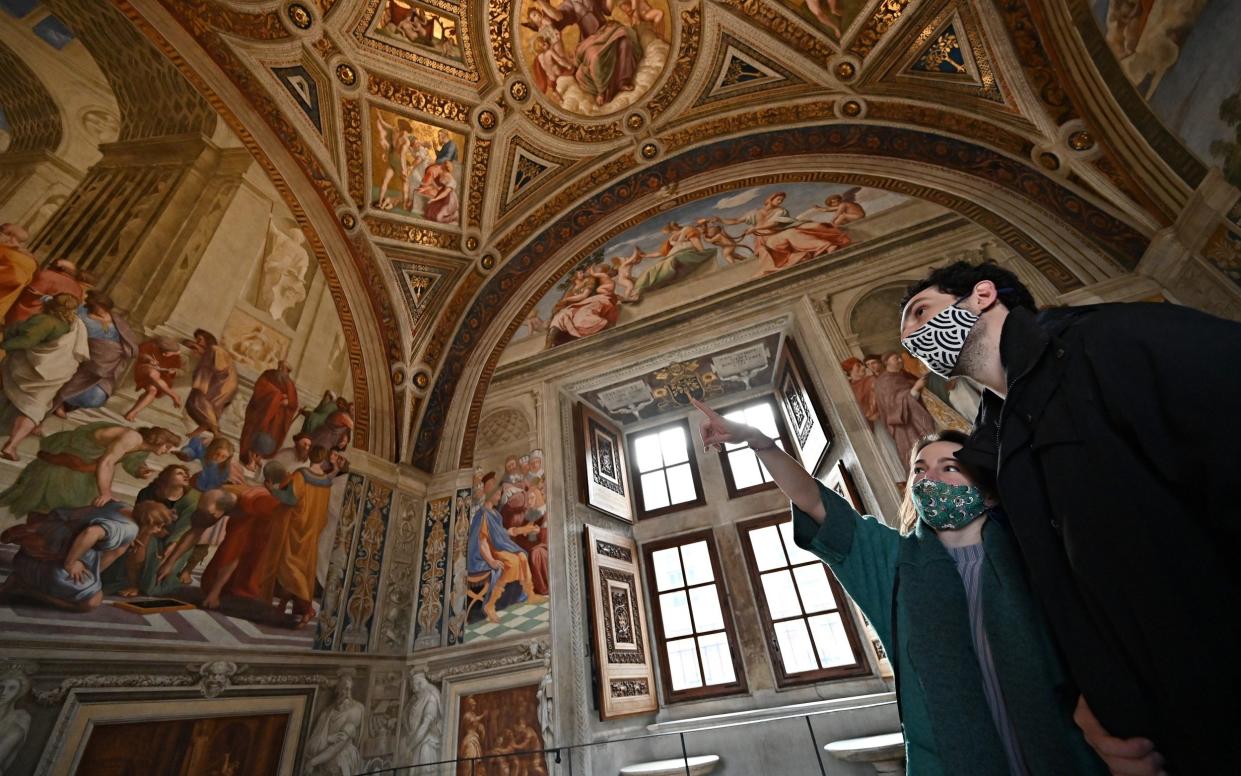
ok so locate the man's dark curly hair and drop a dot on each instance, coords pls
(959, 279)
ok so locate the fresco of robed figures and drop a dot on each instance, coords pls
(738, 236)
(416, 169)
(594, 57)
(213, 746)
(155, 482)
(830, 16)
(1182, 57)
(422, 26)
(500, 568)
(501, 722)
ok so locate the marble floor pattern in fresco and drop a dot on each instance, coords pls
(20, 619)
(516, 619)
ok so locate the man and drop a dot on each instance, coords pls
(17, 266)
(492, 549)
(269, 415)
(59, 277)
(1113, 432)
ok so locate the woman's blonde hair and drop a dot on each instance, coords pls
(909, 515)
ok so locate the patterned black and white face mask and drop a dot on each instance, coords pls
(938, 342)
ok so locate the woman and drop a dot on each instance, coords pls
(978, 681)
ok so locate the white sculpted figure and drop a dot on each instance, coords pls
(333, 746)
(14, 722)
(422, 723)
(285, 264)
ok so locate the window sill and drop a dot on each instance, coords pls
(770, 714)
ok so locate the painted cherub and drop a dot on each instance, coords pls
(640, 11)
(845, 207)
(550, 57)
(624, 266)
(825, 14)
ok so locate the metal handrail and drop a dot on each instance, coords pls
(558, 751)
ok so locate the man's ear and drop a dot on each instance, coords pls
(983, 296)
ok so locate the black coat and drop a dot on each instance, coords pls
(1117, 455)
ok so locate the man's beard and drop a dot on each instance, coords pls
(972, 357)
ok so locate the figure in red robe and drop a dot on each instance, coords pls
(61, 277)
(269, 415)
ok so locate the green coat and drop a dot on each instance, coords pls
(947, 724)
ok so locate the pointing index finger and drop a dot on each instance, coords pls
(704, 409)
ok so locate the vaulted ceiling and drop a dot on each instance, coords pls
(1012, 113)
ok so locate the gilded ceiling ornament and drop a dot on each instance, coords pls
(649, 151)
(411, 97)
(487, 119)
(471, 243)
(845, 71)
(300, 16)
(487, 262)
(635, 121)
(354, 137)
(478, 180)
(347, 75)
(790, 32)
(519, 90)
(411, 233)
(886, 15)
(393, 28)
(422, 379)
(851, 108)
(687, 57)
(1048, 161)
(348, 220)
(499, 24)
(209, 14)
(950, 122)
(1081, 140)
(564, 129)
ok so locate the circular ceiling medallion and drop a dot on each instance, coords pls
(519, 91)
(471, 243)
(649, 151)
(300, 16)
(487, 119)
(487, 263)
(422, 379)
(845, 71)
(587, 68)
(348, 220)
(1081, 140)
(1049, 161)
(635, 121)
(347, 75)
(851, 108)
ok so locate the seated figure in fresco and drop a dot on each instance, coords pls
(682, 254)
(492, 550)
(529, 531)
(64, 553)
(75, 467)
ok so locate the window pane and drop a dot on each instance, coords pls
(646, 451)
(683, 665)
(697, 560)
(667, 569)
(674, 445)
(681, 484)
(739, 416)
(654, 491)
(675, 610)
(831, 640)
(796, 651)
(796, 554)
(762, 417)
(767, 551)
(781, 597)
(706, 603)
(744, 466)
(816, 594)
(717, 659)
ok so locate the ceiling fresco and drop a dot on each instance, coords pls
(443, 156)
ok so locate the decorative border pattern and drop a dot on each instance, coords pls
(367, 566)
(886, 15)
(434, 569)
(788, 31)
(468, 69)
(338, 568)
(1118, 239)
(400, 579)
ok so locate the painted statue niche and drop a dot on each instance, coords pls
(503, 723)
(416, 169)
(421, 26)
(701, 248)
(595, 57)
(500, 568)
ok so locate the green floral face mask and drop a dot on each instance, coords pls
(945, 507)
